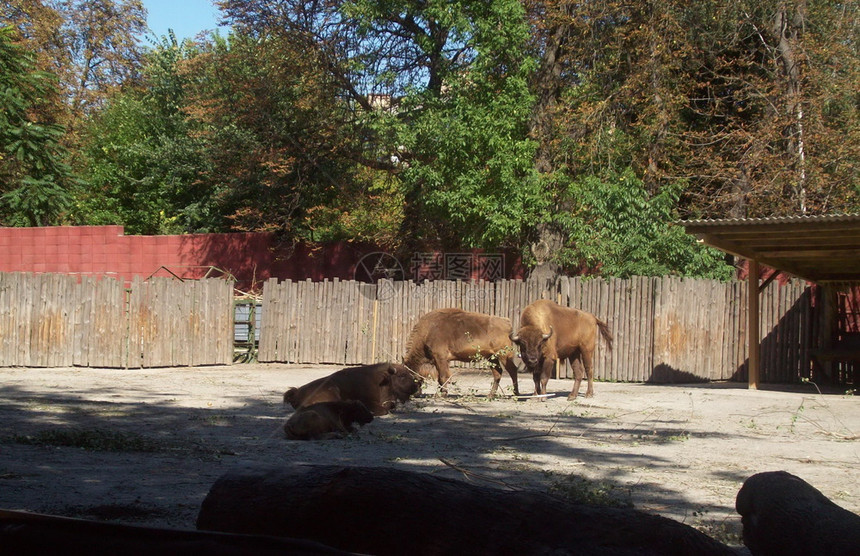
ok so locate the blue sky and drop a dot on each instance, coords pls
(185, 17)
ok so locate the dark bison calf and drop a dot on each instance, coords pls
(379, 387)
(382, 511)
(326, 420)
(783, 515)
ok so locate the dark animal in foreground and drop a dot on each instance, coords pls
(384, 511)
(325, 420)
(447, 335)
(23, 533)
(550, 332)
(783, 515)
(379, 387)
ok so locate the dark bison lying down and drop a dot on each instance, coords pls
(550, 332)
(379, 387)
(375, 510)
(325, 420)
(26, 533)
(447, 335)
(783, 515)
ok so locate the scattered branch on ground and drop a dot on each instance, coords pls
(470, 474)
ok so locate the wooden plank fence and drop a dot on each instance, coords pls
(56, 320)
(666, 329)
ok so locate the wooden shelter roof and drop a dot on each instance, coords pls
(821, 249)
(815, 248)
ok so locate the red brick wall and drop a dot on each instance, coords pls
(105, 251)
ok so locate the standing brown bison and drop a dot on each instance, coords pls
(379, 387)
(550, 332)
(447, 335)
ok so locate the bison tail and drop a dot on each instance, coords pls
(605, 332)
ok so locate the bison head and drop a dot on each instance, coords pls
(403, 382)
(531, 340)
(290, 396)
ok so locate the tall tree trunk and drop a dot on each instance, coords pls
(787, 30)
(661, 125)
(548, 239)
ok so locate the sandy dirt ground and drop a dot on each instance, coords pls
(144, 446)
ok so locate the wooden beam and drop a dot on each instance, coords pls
(770, 279)
(724, 245)
(749, 228)
(817, 249)
(753, 319)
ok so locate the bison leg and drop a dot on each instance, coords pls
(497, 378)
(511, 367)
(585, 366)
(541, 376)
(443, 373)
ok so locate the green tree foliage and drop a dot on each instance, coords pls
(620, 229)
(140, 158)
(34, 179)
(90, 45)
(437, 97)
(470, 161)
(723, 102)
(278, 140)
(576, 131)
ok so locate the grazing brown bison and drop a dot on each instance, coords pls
(379, 387)
(325, 420)
(447, 335)
(550, 332)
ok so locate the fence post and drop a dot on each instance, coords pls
(375, 319)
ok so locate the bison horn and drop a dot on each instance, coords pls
(547, 335)
(514, 338)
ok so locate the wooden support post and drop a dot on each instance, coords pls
(753, 319)
(827, 327)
